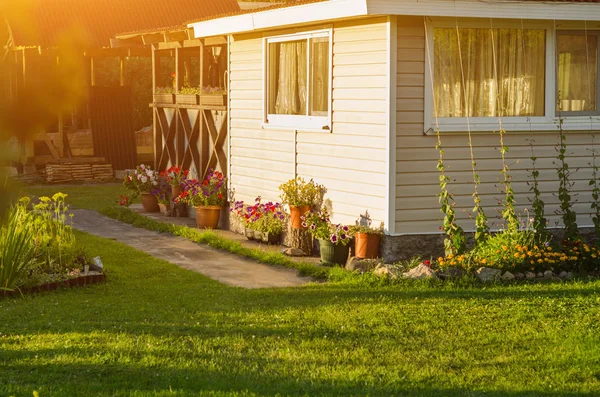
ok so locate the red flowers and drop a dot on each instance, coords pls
(124, 201)
(427, 263)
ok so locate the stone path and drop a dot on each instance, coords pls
(219, 265)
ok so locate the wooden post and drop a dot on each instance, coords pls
(121, 71)
(179, 69)
(92, 72)
(201, 76)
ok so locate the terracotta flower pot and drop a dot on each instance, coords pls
(296, 214)
(175, 191)
(149, 202)
(366, 245)
(333, 253)
(208, 217)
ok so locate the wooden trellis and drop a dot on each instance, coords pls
(188, 131)
(188, 135)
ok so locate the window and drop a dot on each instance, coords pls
(489, 72)
(298, 81)
(578, 73)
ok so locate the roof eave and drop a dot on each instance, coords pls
(305, 13)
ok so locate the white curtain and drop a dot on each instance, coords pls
(577, 72)
(519, 58)
(288, 71)
(319, 76)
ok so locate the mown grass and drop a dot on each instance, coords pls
(157, 330)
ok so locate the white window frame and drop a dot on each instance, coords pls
(298, 122)
(548, 122)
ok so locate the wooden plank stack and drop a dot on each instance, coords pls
(67, 171)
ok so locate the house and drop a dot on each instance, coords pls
(352, 92)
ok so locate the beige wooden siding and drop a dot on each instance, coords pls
(350, 160)
(417, 179)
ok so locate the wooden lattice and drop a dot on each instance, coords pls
(187, 135)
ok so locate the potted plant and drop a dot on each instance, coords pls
(333, 239)
(272, 222)
(142, 181)
(163, 196)
(213, 96)
(367, 240)
(188, 95)
(175, 175)
(164, 95)
(248, 215)
(207, 197)
(300, 196)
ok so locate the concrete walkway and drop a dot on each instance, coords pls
(219, 265)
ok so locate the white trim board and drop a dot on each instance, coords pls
(550, 10)
(313, 12)
(390, 206)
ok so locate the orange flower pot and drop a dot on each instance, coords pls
(175, 191)
(208, 217)
(295, 215)
(366, 245)
(149, 202)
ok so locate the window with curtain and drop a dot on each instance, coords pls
(489, 72)
(578, 72)
(298, 70)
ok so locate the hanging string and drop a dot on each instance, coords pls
(509, 204)
(482, 229)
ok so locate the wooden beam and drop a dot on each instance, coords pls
(217, 40)
(151, 38)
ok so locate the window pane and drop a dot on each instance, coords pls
(319, 76)
(577, 72)
(287, 83)
(471, 88)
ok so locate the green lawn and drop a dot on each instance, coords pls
(156, 330)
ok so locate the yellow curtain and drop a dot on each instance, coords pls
(577, 72)
(502, 72)
(291, 72)
(319, 76)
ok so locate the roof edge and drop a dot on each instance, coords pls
(278, 17)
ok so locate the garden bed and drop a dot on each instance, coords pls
(81, 281)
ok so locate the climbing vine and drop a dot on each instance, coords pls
(595, 192)
(540, 223)
(455, 241)
(569, 217)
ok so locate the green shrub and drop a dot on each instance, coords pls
(17, 249)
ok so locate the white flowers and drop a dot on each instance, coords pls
(144, 179)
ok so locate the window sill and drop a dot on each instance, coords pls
(536, 124)
(267, 126)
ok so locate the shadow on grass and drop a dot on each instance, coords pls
(135, 379)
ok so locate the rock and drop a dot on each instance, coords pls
(529, 275)
(487, 274)
(420, 272)
(569, 276)
(359, 265)
(292, 252)
(508, 276)
(519, 276)
(562, 274)
(549, 274)
(386, 271)
(450, 273)
(539, 274)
